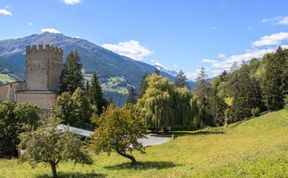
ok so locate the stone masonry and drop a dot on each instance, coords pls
(43, 68)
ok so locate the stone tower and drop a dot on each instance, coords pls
(44, 64)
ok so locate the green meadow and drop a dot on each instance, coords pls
(253, 148)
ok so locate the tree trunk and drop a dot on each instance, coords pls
(53, 167)
(133, 163)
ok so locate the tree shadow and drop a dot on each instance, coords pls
(144, 165)
(75, 175)
(184, 133)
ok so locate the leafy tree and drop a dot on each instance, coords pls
(27, 114)
(9, 128)
(118, 129)
(156, 105)
(132, 95)
(96, 95)
(12, 121)
(71, 77)
(180, 80)
(50, 145)
(73, 109)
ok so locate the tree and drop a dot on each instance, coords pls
(71, 77)
(201, 92)
(143, 85)
(82, 108)
(202, 84)
(132, 95)
(50, 145)
(156, 105)
(271, 83)
(118, 129)
(96, 95)
(247, 96)
(73, 109)
(13, 120)
(180, 80)
(217, 107)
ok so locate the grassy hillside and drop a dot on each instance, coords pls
(5, 78)
(254, 148)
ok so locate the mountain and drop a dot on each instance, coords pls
(167, 71)
(116, 72)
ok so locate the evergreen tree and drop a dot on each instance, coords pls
(202, 85)
(96, 95)
(132, 96)
(71, 77)
(272, 81)
(180, 80)
(217, 107)
(247, 96)
(143, 85)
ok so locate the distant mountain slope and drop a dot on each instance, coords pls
(94, 58)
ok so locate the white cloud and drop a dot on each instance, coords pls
(50, 30)
(221, 55)
(30, 24)
(280, 20)
(71, 2)
(192, 75)
(132, 49)
(270, 40)
(5, 12)
(210, 61)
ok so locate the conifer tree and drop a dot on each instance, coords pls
(143, 85)
(272, 81)
(180, 80)
(247, 96)
(132, 96)
(96, 95)
(71, 77)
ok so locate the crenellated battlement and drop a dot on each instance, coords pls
(43, 67)
(43, 48)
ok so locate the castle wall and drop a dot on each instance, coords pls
(8, 91)
(45, 100)
(43, 67)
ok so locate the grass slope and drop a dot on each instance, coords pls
(254, 148)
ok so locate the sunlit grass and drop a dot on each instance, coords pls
(254, 148)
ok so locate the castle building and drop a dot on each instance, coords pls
(43, 66)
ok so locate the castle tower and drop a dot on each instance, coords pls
(44, 64)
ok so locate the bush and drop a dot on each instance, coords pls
(255, 112)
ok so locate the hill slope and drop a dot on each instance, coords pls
(94, 58)
(254, 148)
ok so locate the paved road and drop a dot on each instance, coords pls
(153, 139)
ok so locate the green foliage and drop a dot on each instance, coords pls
(71, 77)
(118, 129)
(95, 95)
(274, 81)
(253, 148)
(13, 119)
(247, 96)
(143, 85)
(255, 112)
(50, 145)
(132, 96)
(180, 80)
(164, 106)
(73, 109)
(217, 107)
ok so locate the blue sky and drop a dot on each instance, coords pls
(178, 34)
